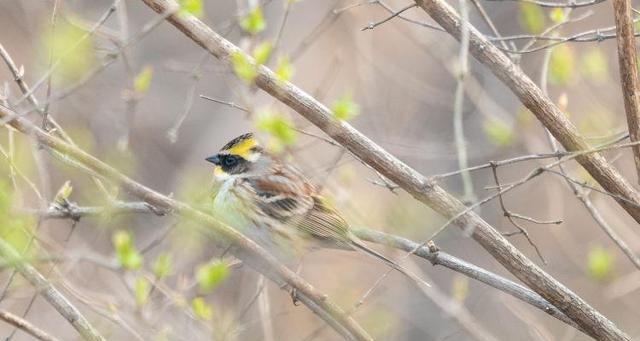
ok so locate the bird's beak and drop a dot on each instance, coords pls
(214, 159)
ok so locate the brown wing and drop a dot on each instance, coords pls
(282, 194)
(287, 196)
(325, 223)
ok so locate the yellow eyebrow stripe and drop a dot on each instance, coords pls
(243, 148)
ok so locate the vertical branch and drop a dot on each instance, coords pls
(628, 72)
(427, 191)
(244, 248)
(540, 105)
(458, 104)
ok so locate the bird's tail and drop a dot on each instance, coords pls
(360, 246)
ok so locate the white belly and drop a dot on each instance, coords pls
(230, 208)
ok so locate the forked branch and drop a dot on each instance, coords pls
(244, 248)
(594, 323)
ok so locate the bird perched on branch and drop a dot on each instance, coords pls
(273, 203)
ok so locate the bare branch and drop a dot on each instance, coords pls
(373, 25)
(51, 294)
(599, 219)
(594, 323)
(54, 66)
(25, 326)
(627, 59)
(458, 106)
(570, 4)
(541, 106)
(409, 20)
(509, 216)
(437, 257)
(231, 104)
(244, 248)
(517, 159)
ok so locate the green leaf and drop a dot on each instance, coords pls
(71, 50)
(141, 289)
(284, 70)
(243, 68)
(15, 228)
(193, 7)
(253, 23)
(210, 275)
(497, 131)
(561, 65)
(127, 255)
(597, 121)
(557, 15)
(262, 52)
(121, 158)
(531, 18)
(142, 80)
(63, 194)
(201, 309)
(459, 288)
(344, 108)
(277, 126)
(599, 263)
(380, 322)
(594, 66)
(162, 266)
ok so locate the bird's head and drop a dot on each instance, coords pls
(239, 156)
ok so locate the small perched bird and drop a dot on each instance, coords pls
(273, 203)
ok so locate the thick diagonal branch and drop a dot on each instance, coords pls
(540, 105)
(627, 60)
(50, 293)
(435, 257)
(243, 248)
(594, 323)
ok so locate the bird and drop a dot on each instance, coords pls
(273, 203)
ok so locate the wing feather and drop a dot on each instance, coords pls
(286, 196)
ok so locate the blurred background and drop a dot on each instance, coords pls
(129, 92)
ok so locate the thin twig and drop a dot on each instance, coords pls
(415, 183)
(551, 4)
(25, 326)
(244, 248)
(599, 219)
(524, 158)
(458, 105)
(578, 188)
(435, 257)
(172, 133)
(231, 104)
(509, 216)
(373, 25)
(58, 62)
(595, 35)
(409, 20)
(45, 110)
(283, 22)
(51, 294)
(541, 106)
(488, 21)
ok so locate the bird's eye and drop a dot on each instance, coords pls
(230, 161)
